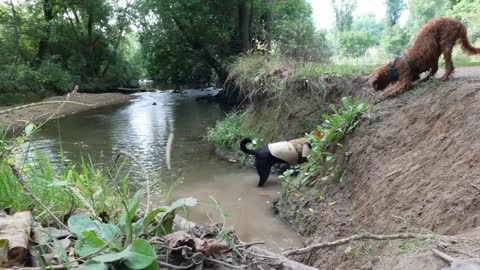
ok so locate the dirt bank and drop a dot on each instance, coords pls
(81, 102)
(412, 166)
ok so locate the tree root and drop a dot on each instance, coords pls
(362, 236)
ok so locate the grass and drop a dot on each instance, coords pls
(62, 188)
(228, 132)
(274, 75)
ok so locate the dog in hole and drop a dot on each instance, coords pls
(291, 152)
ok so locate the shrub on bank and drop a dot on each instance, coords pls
(228, 131)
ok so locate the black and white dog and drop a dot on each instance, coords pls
(291, 152)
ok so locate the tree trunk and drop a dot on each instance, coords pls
(43, 43)
(90, 67)
(17, 38)
(243, 26)
(196, 44)
(268, 25)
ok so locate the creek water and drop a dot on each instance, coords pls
(142, 129)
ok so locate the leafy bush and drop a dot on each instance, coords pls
(395, 40)
(227, 132)
(52, 76)
(323, 140)
(355, 44)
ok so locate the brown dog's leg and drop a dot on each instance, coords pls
(431, 73)
(449, 68)
(396, 89)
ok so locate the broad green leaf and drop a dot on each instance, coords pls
(138, 255)
(88, 243)
(80, 223)
(128, 214)
(29, 129)
(151, 216)
(190, 202)
(93, 265)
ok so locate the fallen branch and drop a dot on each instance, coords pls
(475, 186)
(284, 262)
(448, 259)
(37, 200)
(363, 236)
(44, 103)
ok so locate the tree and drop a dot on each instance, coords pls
(343, 10)
(421, 11)
(467, 11)
(394, 9)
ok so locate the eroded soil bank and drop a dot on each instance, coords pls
(413, 166)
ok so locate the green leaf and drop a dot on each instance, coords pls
(88, 243)
(151, 216)
(29, 129)
(93, 265)
(128, 214)
(190, 202)
(80, 223)
(138, 255)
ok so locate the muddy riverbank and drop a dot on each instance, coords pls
(55, 107)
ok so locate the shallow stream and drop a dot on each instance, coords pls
(142, 129)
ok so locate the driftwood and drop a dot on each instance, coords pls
(362, 236)
(16, 229)
(284, 262)
(457, 264)
(44, 103)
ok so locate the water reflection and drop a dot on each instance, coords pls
(142, 129)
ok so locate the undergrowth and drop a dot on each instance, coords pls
(229, 132)
(275, 75)
(325, 141)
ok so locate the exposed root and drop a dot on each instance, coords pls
(362, 236)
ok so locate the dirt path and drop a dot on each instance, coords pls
(16, 119)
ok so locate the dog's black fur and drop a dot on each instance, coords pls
(264, 160)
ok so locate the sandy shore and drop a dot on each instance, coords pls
(54, 107)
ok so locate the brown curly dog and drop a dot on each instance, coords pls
(436, 37)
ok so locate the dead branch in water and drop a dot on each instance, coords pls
(44, 103)
(356, 237)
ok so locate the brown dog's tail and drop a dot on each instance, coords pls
(466, 45)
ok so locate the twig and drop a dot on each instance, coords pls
(258, 255)
(355, 237)
(475, 186)
(37, 200)
(43, 103)
(225, 264)
(443, 256)
(175, 266)
(247, 245)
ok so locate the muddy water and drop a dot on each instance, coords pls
(142, 129)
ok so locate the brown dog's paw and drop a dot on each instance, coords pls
(378, 98)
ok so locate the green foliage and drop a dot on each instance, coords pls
(73, 42)
(354, 43)
(228, 131)
(343, 14)
(422, 11)
(395, 40)
(327, 137)
(393, 12)
(131, 252)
